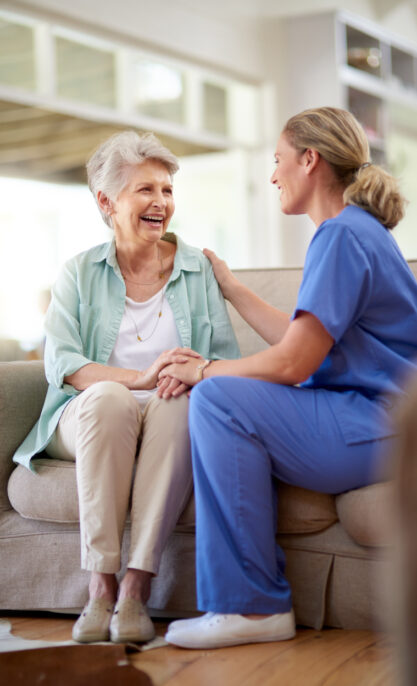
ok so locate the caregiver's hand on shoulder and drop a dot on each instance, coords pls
(226, 280)
(148, 378)
(170, 388)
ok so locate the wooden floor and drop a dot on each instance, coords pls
(331, 657)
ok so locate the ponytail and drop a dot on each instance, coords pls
(377, 192)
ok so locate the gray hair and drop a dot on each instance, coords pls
(109, 167)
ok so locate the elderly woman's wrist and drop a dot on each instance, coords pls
(138, 382)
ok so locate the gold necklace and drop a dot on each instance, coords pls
(138, 336)
(152, 283)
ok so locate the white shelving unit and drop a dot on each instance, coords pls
(378, 70)
(346, 61)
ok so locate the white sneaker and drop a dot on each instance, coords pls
(192, 621)
(217, 630)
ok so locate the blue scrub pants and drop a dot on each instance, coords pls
(244, 434)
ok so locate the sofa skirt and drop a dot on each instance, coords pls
(334, 581)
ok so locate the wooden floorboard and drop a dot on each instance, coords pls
(331, 657)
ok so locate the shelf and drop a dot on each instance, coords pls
(370, 56)
(363, 81)
(368, 110)
(363, 51)
(403, 69)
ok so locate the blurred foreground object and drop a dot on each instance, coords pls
(405, 578)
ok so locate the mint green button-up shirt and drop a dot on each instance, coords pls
(83, 321)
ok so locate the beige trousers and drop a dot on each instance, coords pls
(103, 429)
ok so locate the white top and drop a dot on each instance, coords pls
(157, 334)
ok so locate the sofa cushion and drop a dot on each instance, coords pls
(50, 494)
(366, 514)
(301, 511)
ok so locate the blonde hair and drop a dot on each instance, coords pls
(341, 141)
(109, 167)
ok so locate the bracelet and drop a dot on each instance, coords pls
(201, 367)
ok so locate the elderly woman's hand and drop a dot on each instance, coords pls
(169, 387)
(226, 280)
(148, 379)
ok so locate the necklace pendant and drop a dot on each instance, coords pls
(161, 275)
(139, 338)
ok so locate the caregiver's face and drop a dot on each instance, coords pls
(289, 177)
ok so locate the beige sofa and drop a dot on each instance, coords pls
(336, 547)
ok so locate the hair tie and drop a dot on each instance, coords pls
(364, 165)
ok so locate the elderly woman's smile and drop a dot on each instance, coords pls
(153, 219)
(145, 204)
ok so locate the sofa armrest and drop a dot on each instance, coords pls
(22, 393)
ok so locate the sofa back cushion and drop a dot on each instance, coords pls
(22, 392)
(279, 287)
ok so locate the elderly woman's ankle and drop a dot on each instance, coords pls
(136, 584)
(103, 586)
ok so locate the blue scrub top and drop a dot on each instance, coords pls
(358, 284)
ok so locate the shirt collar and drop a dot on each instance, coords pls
(185, 257)
(105, 251)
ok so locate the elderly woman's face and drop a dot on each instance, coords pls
(143, 209)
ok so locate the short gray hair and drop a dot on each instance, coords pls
(109, 167)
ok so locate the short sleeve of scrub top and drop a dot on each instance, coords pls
(337, 279)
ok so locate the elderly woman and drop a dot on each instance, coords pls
(119, 313)
(313, 410)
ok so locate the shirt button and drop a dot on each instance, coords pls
(182, 321)
(171, 297)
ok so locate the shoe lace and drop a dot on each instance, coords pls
(217, 618)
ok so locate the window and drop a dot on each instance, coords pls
(17, 56)
(158, 90)
(41, 226)
(215, 108)
(85, 73)
(402, 160)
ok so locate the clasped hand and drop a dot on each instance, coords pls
(172, 383)
(182, 373)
